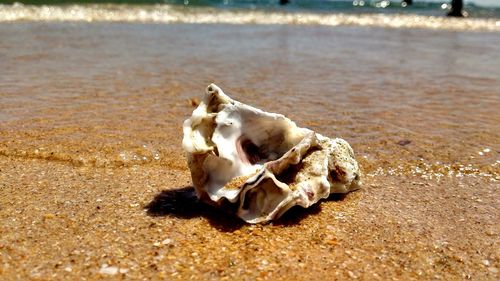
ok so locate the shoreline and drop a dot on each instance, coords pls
(170, 14)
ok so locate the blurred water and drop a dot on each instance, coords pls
(427, 8)
(410, 101)
(180, 14)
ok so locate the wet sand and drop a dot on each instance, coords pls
(93, 182)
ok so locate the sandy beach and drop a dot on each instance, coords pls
(94, 183)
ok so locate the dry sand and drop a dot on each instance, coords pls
(63, 222)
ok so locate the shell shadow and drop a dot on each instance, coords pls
(296, 214)
(337, 196)
(182, 203)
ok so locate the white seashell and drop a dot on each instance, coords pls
(262, 163)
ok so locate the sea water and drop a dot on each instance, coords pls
(109, 85)
(365, 13)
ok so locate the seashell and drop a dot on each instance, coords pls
(259, 163)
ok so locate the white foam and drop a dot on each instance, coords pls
(171, 14)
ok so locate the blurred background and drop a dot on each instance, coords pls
(475, 8)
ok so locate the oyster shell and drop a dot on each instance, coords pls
(262, 163)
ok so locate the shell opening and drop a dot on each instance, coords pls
(249, 152)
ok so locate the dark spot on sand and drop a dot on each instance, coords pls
(404, 142)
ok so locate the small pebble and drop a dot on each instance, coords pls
(49, 216)
(194, 102)
(123, 270)
(108, 270)
(404, 142)
(333, 242)
(490, 233)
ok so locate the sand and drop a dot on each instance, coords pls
(61, 222)
(94, 185)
